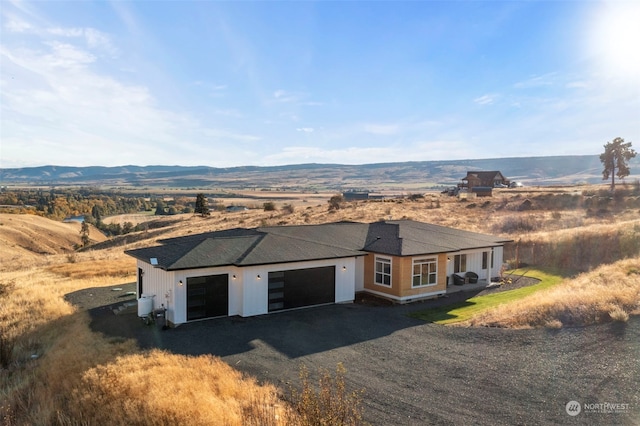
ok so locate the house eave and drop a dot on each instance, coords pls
(246, 265)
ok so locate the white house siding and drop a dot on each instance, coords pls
(256, 290)
(248, 294)
(346, 272)
(498, 260)
(159, 284)
(359, 273)
(474, 262)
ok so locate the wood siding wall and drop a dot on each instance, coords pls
(402, 277)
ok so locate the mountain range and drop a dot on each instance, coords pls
(551, 170)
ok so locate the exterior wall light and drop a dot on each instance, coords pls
(234, 276)
(344, 268)
(258, 277)
(180, 283)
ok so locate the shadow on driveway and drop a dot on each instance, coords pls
(293, 334)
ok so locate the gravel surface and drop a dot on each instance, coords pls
(412, 372)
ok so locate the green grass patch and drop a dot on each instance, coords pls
(463, 311)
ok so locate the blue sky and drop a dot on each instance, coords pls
(269, 83)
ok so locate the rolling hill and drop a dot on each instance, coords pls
(553, 170)
(27, 237)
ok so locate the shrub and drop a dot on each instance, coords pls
(288, 208)
(330, 403)
(269, 206)
(335, 202)
(618, 314)
(515, 224)
(553, 324)
(577, 250)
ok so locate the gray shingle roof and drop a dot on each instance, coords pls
(280, 244)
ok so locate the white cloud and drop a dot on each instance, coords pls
(548, 79)
(16, 25)
(285, 97)
(380, 129)
(305, 129)
(66, 56)
(94, 39)
(577, 85)
(487, 99)
(59, 107)
(213, 90)
(350, 155)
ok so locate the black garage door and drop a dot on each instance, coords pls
(207, 296)
(301, 287)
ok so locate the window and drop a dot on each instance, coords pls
(485, 258)
(425, 272)
(383, 271)
(460, 263)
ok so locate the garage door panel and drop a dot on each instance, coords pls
(302, 287)
(207, 296)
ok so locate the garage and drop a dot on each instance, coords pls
(301, 287)
(207, 296)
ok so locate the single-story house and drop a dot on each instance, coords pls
(355, 195)
(257, 271)
(492, 179)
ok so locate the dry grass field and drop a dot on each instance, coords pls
(610, 292)
(55, 370)
(27, 237)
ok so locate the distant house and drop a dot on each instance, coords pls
(493, 179)
(355, 195)
(262, 270)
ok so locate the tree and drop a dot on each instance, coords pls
(84, 234)
(96, 214)
(202, 205)
(335, 202)
(160, 207)
(127, 227)
(269, 206)
(616, 156)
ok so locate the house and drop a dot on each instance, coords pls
(493, 179)
(353, 195)
(257, 271)
(231, 209)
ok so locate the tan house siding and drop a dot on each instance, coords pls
(369, 275)
(402, 276)
(407, 288)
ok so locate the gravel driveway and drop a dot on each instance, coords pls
(415, 373)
